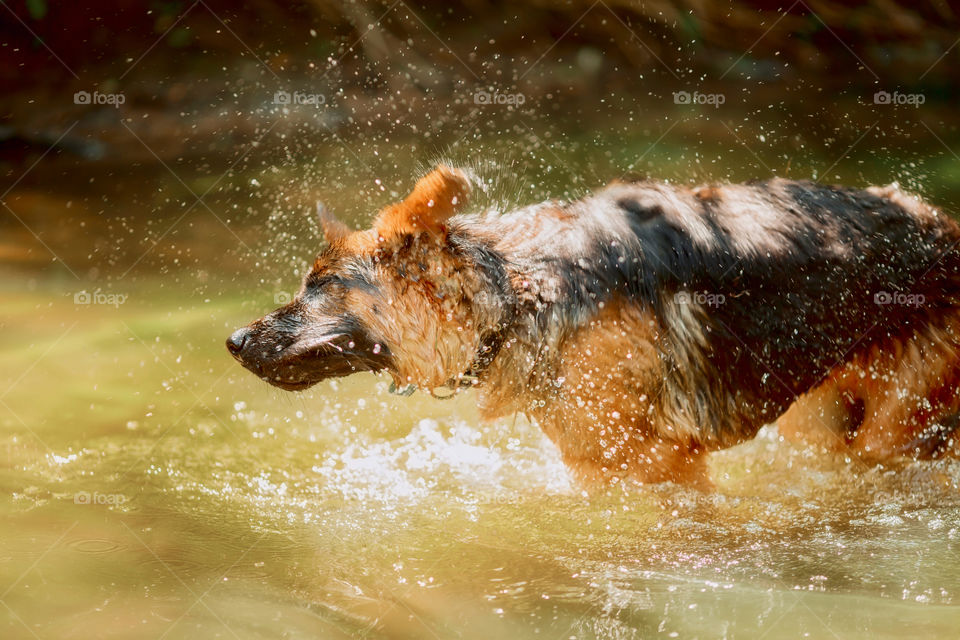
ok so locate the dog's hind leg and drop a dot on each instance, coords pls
(910, 393)
(905, 394)
(937, 439)
(826, 416)
(898, 398)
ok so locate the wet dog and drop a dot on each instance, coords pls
(647, 324)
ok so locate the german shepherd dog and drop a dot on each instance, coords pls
(647, 324)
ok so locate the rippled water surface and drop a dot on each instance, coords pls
(152, 488)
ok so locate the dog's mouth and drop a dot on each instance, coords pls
(290, 385)
(309, 361)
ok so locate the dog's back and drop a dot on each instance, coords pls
(761, 290)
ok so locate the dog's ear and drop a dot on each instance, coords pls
(434, 199)
(332, 228)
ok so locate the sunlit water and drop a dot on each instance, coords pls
(152, 488)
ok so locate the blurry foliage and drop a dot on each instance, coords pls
(898, 40)
(37, 8)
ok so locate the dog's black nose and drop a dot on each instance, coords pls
(236, 341)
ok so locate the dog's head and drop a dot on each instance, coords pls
(404, 297)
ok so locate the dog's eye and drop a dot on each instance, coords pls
(319, 282)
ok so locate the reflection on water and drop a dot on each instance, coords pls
(152, 488)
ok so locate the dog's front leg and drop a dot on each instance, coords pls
(649, 462)
(608, 447)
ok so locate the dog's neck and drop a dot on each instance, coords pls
(495, 305)
(517, 352)
(491, 343)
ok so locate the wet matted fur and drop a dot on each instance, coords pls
(647, 324)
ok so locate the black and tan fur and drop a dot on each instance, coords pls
(647, 324)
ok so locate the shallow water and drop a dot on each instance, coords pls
(152, 488)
